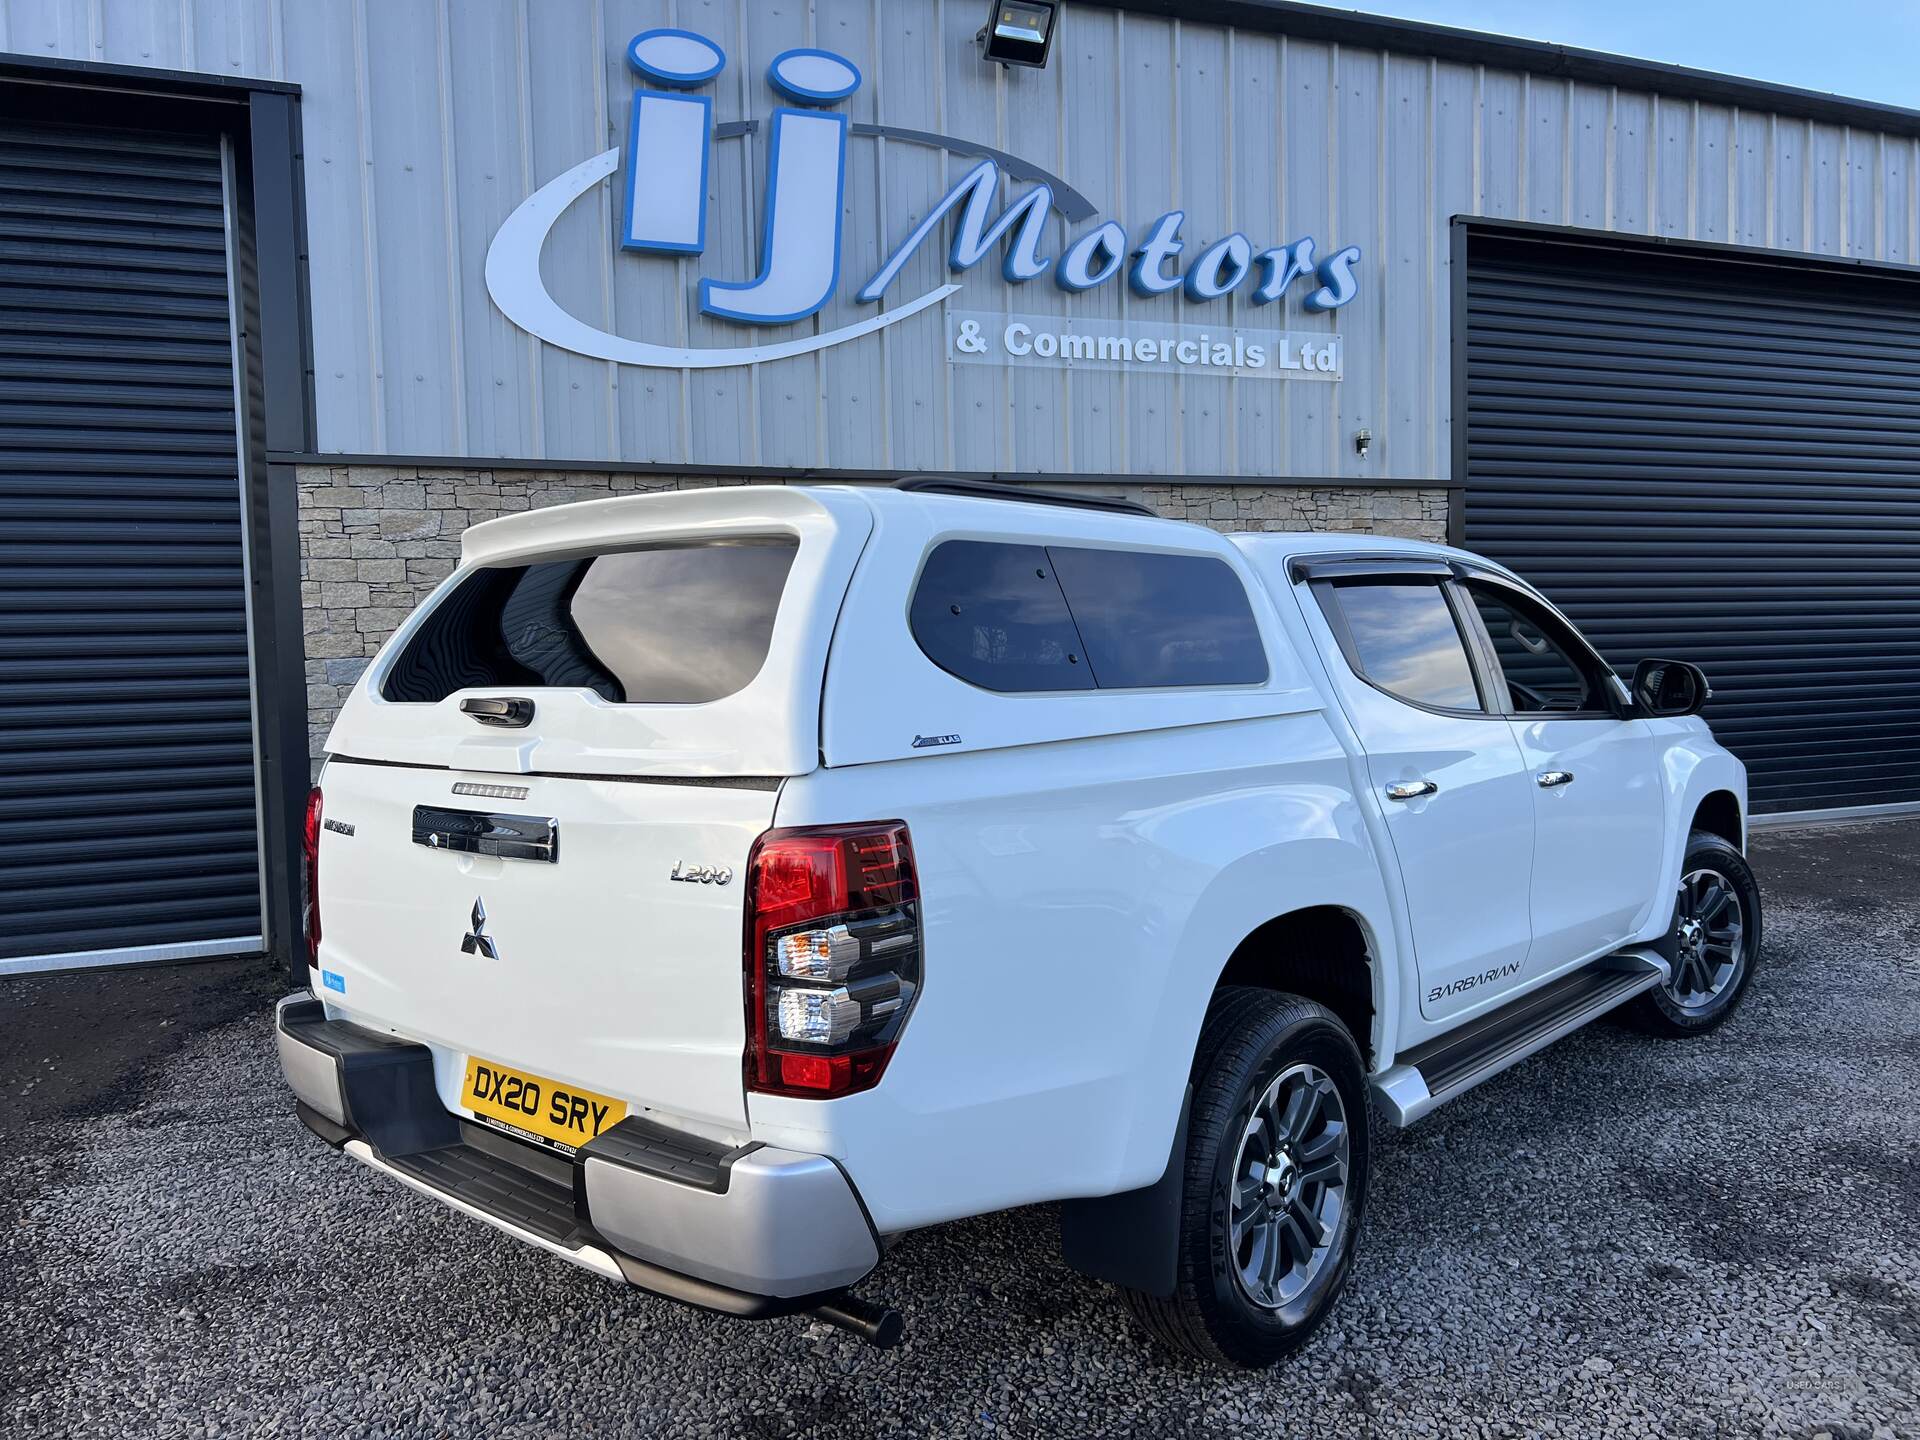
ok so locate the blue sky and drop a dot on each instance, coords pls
(1868, 49)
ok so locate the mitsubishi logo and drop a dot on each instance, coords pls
(476, 941)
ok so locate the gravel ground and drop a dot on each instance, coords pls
(1621, 1236)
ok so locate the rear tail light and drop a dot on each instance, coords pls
(833, 956)
(310, 862)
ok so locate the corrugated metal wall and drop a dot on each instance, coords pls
(1720, 463)
(427, 121)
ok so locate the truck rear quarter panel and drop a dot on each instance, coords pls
(1088, 863)
(1080, 900)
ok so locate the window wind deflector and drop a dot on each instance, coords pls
(1363, 567)
(1485, 575)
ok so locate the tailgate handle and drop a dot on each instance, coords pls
(512, 712)
(473, 832)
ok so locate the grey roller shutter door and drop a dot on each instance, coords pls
(1715, 460)
(127, 789)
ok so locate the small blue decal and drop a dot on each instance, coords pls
(333, 981)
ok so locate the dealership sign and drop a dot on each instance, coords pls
(1077, 343)
(670, 140)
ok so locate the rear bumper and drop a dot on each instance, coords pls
(752, 1231)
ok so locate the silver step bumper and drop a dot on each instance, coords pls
(740, 1230)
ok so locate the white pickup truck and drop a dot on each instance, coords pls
(712, 887)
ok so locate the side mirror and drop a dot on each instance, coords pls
(1664, 688)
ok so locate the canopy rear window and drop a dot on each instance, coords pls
(670, 624)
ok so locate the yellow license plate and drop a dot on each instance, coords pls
(530, 1106)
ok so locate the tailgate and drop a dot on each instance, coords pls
(598, 969)
(604, 698)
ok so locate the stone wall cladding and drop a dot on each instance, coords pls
(375, 539)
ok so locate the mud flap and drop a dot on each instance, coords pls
(1133, 1238)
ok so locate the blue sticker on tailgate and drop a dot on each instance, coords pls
(333, 981)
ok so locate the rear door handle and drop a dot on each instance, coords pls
(1547, 779)
(1410, 789)
(472, 832)
(512, 713)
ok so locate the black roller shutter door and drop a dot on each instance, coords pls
(127, 795)
(1709, 458)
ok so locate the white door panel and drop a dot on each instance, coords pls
(1451, 781)
(1465, 849)
(1597, 836)
(1599, 809)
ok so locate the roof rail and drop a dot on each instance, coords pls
(988, 490)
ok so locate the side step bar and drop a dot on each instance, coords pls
(1449, 1065)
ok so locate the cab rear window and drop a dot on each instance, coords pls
(674, 624)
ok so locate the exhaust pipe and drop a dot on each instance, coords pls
(881, 1326)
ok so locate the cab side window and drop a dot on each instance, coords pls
(1402, 636)
(1539, 668)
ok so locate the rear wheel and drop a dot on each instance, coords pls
(1275, 1180)
(1715, 942)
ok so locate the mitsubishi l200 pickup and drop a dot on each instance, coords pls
(712, 887)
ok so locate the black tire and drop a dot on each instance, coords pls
(1685, 1005)
(1253, 1041)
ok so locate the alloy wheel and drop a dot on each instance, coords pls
(1288, 1209)
(1710, 932)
